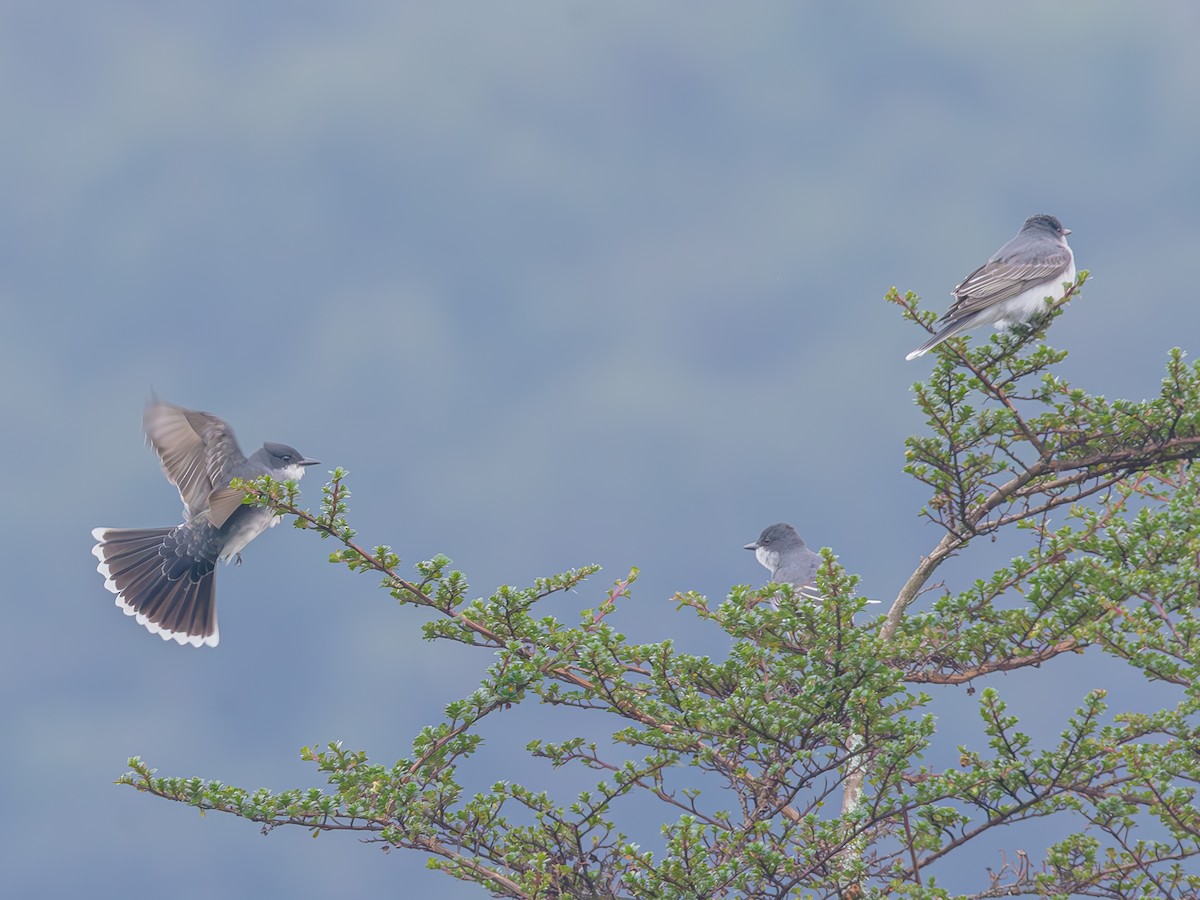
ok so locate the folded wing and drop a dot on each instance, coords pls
(1000, 279)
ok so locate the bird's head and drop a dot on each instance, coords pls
(288, 461)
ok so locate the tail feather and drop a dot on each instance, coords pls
(926, 347)
(952, 327)
(135, 568)
(122, 560)
(182, 608)
(942, 335)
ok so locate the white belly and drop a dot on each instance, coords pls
(246, 530)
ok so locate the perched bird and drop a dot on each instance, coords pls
(164, 576)
(1013, 285)
(784, 554)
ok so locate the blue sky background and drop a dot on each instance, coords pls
(558, 283)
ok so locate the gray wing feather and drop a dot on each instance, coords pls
(1000, 278)
(197, 451)
(800, 571)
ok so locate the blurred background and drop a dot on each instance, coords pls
(559, 283)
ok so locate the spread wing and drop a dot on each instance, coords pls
(1002, 277)
(197, 451)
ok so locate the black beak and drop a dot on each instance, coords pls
(753, 546)
(309, 462)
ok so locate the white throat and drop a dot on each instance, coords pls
(769, 559)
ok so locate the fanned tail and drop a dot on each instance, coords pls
(142, 567)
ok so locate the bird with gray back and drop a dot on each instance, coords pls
(784, 554)
(1012, 286)
(165, 576)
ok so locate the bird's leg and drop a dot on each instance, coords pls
(1035, 322)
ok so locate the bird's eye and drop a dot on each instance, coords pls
(287, 457)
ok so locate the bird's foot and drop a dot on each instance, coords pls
(1031, 326)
